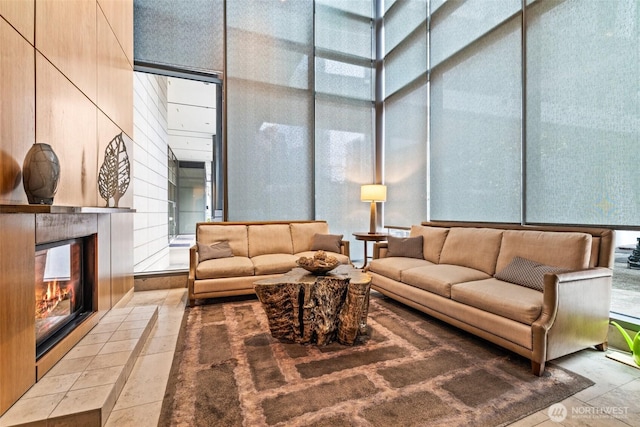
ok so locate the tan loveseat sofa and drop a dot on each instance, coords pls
(461, 275)
(254, 251)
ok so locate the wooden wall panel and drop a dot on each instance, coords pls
(115, 78)
(49, 52)
(66, 35)
(19, 13)
(17, 121)
(121, 255)
(66, 119)
(17, 299)
(104, 262)
(119, 13)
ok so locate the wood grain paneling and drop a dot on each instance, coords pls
(104, 262)
(66, 119)
(119, 13)
(17, 299)
(66, 35)
(115, 78)
(19, 13)
(121, 256)
(17, 120)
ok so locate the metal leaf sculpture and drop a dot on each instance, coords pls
(114, 175)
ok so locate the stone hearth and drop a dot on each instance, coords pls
(82, 388)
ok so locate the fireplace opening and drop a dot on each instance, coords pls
(64, 282)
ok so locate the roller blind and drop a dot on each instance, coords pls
(583, 112)
(476, 109)
(406, 156)
(405, 42)
(269, 110)
(344, 142)
(180, 34)
(406, 115)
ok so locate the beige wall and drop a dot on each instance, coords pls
(66, 73)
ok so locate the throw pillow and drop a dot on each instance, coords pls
(525, 272)
(214, 250)
(326, 242)
(409, 247)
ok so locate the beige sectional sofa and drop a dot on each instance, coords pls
(482, 278)
(241, 253)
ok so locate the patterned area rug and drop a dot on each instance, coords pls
(411, 370)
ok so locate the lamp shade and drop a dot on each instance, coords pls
(373, 193)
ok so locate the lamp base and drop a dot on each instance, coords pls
(372, 219)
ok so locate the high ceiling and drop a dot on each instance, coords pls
(191, 118)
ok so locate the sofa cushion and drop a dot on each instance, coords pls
(214, 250)
(525, 272)
(224, 267)
(302, 234)
(504, 299)
(559, 249)
(309, 254)
(410, 247)
(269, 239)
(392, 267)
(475, 248)
(432, 240)
(438, 278)
(273, 263)
(236, 235)
(326, 242)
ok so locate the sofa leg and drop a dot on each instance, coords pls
(537, 368)
(603, 347)
(192, 302)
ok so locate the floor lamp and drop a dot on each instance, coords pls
(373, 193)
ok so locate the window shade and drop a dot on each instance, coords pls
(344, 142)
(402, 20)
(269, 110)
(406, 115)
(160, 36)
(475, 163)
(583, 112)
(406, 156)
(457, 24)
(344, 160)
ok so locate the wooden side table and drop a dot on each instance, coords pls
(369, 237)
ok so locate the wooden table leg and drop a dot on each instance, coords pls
(366, 258)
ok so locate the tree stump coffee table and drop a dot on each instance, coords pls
(305, 308)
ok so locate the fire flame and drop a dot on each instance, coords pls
(49, 300)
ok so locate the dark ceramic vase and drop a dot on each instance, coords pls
(40, 174)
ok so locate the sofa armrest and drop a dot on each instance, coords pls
(380, 249)
(345, 248)
(575, 312)
(193, 263)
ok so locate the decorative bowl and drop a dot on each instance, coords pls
(321, 263)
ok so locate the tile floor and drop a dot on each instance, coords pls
(141, 398)
(612, 401)
(83, 386)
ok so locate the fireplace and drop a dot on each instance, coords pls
(64, 291)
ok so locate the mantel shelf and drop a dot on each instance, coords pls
(58, 209)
